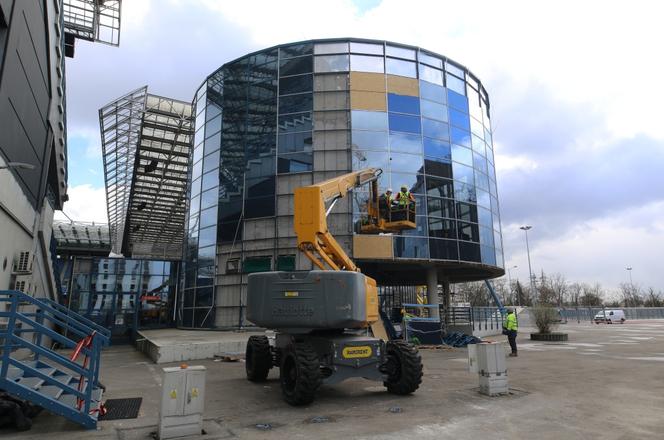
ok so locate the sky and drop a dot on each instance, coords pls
(575, 100)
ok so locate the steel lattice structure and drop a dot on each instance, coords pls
(146, 142)
(81, 235)
(93, 20)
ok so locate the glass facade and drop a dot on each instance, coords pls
(123, 295)
(296, 114)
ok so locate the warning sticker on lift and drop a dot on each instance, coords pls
(291, 294)
(362, 351)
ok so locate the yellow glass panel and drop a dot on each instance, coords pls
(361, 100)
(370, 82)
(402, 85)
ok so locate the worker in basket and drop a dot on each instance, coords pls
(406, 203)
(385, 204)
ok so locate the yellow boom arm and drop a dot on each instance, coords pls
(313, 237)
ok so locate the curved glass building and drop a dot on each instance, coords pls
(300, 113)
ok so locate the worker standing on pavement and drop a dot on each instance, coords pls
(511, 326)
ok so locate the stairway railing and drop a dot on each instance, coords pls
(26, 316)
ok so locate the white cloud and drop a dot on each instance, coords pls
(86, 203)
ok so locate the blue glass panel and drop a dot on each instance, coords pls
(408, 124)
(411, 247)
(363, 63)
(478, 144)
(457, 101)
(208, 217)
(483, 199)
(376, 159)
(479, 162)
(438, 168)
(403, 104)
(212, 126)
(459, 136)
(437, 149)
(466, 212)
(407, 143)
(484, 216)
(463, 173)
(492, 188)
(295, 163)
(464, 192)
(212, 143)
(406, 163)
(211, 161)
(431, 75)
(421, 229)
(295, 142)
(295, 103)
(432, 92)
(435, 129)
(207, 237)
(197, 170)
(198, 153)
(482, 181)
(365, 120)
(210, 180)
(440, 187)
(488, 255)
(459, 119)
(468, 231)
(209, 198)
(456, 84)
(369, 139)
(433, 110)
(414, 182)
(462, 155)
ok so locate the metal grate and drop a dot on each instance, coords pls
(117, 409)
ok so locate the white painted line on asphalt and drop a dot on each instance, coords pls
(648, 358)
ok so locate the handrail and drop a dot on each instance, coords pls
(78, 317)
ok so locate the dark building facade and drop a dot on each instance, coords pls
(300, 113)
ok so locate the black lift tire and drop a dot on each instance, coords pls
(404, 367)
(299, 374)
(258, 359)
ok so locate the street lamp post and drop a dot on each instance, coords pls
(509, 281)
(629, 270)
(526, 228)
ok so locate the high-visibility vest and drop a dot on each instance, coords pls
(510, 322)
(404, 198)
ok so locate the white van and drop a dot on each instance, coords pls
(609, 316)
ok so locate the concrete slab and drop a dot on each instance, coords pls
(554, 394)
(175, 345)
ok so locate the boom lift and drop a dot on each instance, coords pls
(322, 317)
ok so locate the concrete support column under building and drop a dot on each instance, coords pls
(432, 290)
(447, 297)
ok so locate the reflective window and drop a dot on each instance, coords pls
(195, 203)
(483, 199)
(484, 217)
(403, 104)
(366, 120)
(421, 229)
(459, 119)
(295, 84)
(331, 63)
(437, 149)
(463, 173)
(440, 208)
(443, 249)
(468, 231)
(438, 168)
(209, 198)
(295, 142)
(400, 67)
(296, 103)
(469, 252)
(400, 52)
(207, 237)
(212, 143)
(439, 187)
(295, 163)
(411, 247)
(454, 69)
(296, 66)
(198, 154)
(479, 162)
(211, 161)
(212, 126)
(406, 163)
(414, 183)
(442, 228)
(208, 217)
(210, 180)
(457, 101)
(462, 155)
(430, 60)
(482, 181)
(456, 84)
(377, 159)
(370, 48)
(433, 110)
(295, 122)
(369, 139)
(324, 48)
(197, 169)
(435, 129)
(195, 187)
(259, 207)
(460, 136)
(466, 212)
(431, 75)
(295, 50)
(488, 255)
(464, 192)
(408, 124)
(407, 143)
(478, 144)
(365, 63)
(432, 92)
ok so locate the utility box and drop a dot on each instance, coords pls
(182, 402)
(487, 359)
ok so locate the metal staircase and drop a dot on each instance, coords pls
(63, 381)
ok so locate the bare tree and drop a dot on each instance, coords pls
(559, 287)
(653, 299)
(631, 295)
(575, 290)
(592, 295)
